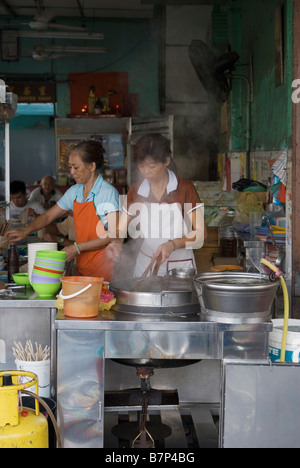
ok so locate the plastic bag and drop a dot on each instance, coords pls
(247, 202)
(243, 183)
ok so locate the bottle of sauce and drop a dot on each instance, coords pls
(227, 235)
(12, 262)
(92, 100)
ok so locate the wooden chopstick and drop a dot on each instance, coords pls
(156, 268)
(153, 260)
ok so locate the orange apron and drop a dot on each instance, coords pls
(88, 226)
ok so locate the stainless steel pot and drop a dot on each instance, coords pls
(183, 272)
(235, 297)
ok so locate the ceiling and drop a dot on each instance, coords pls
(44, 20)
(15, 9)
(76, 8)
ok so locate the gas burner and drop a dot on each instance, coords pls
(142, 433)
(132, 432)
(144, 373)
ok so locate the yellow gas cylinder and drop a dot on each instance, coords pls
(20, 427)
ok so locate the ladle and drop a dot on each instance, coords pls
(266, 219)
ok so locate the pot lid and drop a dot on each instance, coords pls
(155, 291)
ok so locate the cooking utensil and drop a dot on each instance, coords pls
(28, 353)
(235, 297)
(148, 269)
(183, 272)
(266, 219)
(156, 295)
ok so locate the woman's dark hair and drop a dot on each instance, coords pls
(155, 146)
(91, 151)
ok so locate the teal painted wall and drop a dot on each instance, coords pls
(133, 48)
(252, 29)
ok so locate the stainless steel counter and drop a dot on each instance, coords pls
(84, 347)
(125, 338)
(24, 297)
(86, 357)
(25, 316)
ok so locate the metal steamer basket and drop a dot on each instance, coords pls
(235, 297)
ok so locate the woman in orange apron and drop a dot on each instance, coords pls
(95, 205)
(162, 209)
(93, 262)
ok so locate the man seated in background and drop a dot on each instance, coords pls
(46, 195)
(22, 210)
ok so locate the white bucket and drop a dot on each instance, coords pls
(42, 370)
(292, 352)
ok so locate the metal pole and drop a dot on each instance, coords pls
(7, 170)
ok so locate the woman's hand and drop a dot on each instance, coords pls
(164, 251)
(40, 222)
(113, 250)
(16, 235)
(71, 252)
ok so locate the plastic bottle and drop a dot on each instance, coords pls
(227, 235)
(12, 262)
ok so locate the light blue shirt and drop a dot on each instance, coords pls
(103, 194)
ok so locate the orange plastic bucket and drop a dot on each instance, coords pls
(81, 296)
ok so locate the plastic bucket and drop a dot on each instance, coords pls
(81, 295)
(39, 368)
(292, 352)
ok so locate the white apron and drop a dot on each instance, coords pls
(158, 224)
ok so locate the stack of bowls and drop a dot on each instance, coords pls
(35, 247)
(47, 271)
